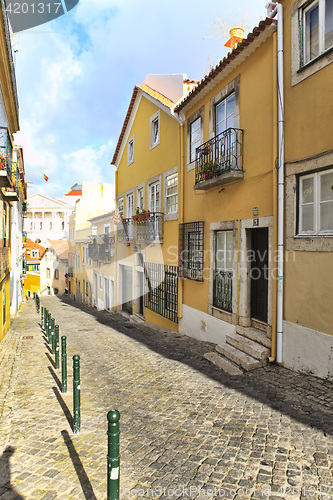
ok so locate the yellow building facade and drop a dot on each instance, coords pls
(228, 202)
(308, 291)
(147, 191)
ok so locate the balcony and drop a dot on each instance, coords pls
(220, 160)
(93, 250)
(106, 249)
(143, 228)
(6, 154)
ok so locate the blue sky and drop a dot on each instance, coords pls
(75, 76)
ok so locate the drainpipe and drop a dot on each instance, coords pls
(273, 9)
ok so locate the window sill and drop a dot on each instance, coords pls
(313, 61)
(311, 236)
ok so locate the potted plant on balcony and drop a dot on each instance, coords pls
(2, 162)
(209, 169)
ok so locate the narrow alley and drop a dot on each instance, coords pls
(187, 429)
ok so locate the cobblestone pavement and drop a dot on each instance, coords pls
(187, 429)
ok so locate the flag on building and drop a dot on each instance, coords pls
(45, 177)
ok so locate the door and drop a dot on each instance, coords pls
(127, 287)
(259, 274)
(106, 294)
(140, 276)
(129, 216)
(154, 203)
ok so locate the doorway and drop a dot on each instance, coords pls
(127, 288)
(259, 274)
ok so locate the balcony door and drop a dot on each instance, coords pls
(225, 147)
(129, 215)
(223, 272)
(154, 221)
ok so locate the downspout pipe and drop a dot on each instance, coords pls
(273, 9)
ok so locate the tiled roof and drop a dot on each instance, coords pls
(157, 95)
(225, 62)
(123, 130)
(153, 93)
(31, 245)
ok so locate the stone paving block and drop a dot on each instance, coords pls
(183, 422)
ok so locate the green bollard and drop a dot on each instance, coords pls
(45, 318)
(76, 393)
(52, 335)
(63, 365)
(113, 455)
(42, 315)
(56, 342)
(49, 329)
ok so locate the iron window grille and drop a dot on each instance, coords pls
(222, 295)
(162, 290)
(191, 250)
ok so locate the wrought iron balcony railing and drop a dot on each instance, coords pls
(143, 228)
(6, 151)
(93, 250)
(219, 160)
(106, 249)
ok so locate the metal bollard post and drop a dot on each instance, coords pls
(49, 328)
(76, 393)
(42, 315)
(52, 335)
(63, 365)
(56, 342)
(113, 455)
(45, 318)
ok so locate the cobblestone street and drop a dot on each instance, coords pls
(187, 429)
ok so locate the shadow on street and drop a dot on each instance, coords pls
(302, 397)
(5, 474)
(79, 469)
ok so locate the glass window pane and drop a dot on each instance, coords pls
(231, 105)
(312, 32)
(307, 218)
(326, 216)
(229, 250)
(326, 187)
(220, 250)
(328, 24)
(307, 190)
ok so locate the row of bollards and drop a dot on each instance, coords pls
(113, 458)
(52, 333)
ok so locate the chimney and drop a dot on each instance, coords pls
(236, 36)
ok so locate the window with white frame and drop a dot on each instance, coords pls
(171, 193)
(315, 208)
(120, 205)
(130, 205)
(317, 25)
(140, 198)
(130, 151)
(34, 253)
(155, 130)
(224, 114)
(195, 137)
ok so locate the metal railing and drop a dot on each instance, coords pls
(142, 228)
(220, 155)
(6, 151)
(222, 293)
(105, 249)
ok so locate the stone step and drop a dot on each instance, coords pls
(240, 358)
(255, 335)
(223, 363)
(257, 351)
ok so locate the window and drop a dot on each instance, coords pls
(100, 282)
(162, 290)
(155, 130)
(191, 248)
(140, 199)
(34, 253)
(154, 199)
(224, 114)
(130, 151)
(56, 274)
(222, 291)
(195, 137)
(315, 214)
(130, 205)
(48, 272)
(317, 24)
(172, 194)
(120, 206)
